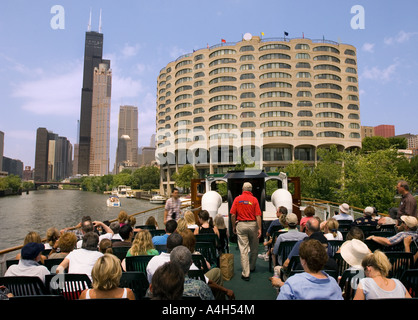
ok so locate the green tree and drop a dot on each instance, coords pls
(184, 176)
(370, 179)
(122, 178)
(27, 185)
(106, 182)
(326, 176)
(413, 176)
(398, 142)
(301, 169)
(10, 182)
(375, 143)
(146, 178)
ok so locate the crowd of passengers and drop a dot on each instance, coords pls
(88, 248)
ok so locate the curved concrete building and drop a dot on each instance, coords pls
(271, 101)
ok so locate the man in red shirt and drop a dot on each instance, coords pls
(246, 224)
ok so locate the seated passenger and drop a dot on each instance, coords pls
(29, 262)
(376, 285)
(313, 284)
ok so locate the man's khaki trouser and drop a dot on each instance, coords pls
(248, 244)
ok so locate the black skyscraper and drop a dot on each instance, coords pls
(93, 52)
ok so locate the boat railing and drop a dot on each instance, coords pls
(326, 209)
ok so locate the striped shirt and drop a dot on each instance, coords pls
(173, 206)
(397, 238)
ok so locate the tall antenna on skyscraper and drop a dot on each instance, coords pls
(100, 21)
(89, 25)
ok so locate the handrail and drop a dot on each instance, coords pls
(313, 200)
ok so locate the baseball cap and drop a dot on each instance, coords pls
(292, 218)
(31, 250)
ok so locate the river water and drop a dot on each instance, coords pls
(42, 209)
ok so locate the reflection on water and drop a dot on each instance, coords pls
(42, 209)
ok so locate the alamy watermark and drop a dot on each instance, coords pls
(358, 21)
(58, 20)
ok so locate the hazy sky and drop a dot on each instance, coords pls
(41, 65)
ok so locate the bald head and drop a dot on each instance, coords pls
(312, 225)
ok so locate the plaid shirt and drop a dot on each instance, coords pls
(397, 238)
(172, 206)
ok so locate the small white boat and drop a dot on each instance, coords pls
(130, 193)
(113, 201)
(122, 191)
(158, 199)
(186, 200)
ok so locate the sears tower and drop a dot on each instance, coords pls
(93, 52)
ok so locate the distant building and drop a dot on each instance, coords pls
(100, 121)
(271, 100)
(147, 156)
(53, 156)
(127, 149)
(2, 173)
(13, 166)
(75, 160)
(366, 131)
(384, 130)
(412, 140)
(27, 173)
(93, 53)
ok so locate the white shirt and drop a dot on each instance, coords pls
(329, 236)
(82, 261)
(155, 262)
(108, 235)
(158, 261)
(27, 268)
(372, 291)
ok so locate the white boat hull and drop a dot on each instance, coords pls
(115, 203)
(158, 200)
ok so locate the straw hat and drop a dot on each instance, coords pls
(369, 211)
(354, 251)
(410, 221)
(344, 208)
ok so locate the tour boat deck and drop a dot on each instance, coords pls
(259, 286)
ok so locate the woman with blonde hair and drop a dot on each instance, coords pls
(142, 244)
(190, 219)
(106, 274)
(377, 285)
(181, 225)
(331, 230)
(32, 236)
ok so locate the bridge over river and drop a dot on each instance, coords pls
(38, 183)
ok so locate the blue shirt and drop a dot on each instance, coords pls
(343, 216)
(160, 239)
(274, 223)
(291, 235)
(303, 286)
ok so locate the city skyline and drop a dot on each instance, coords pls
(41, 67)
